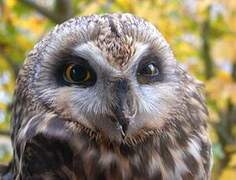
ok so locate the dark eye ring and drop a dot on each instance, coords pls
(78, 74)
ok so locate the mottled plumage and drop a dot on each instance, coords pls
(137, 114)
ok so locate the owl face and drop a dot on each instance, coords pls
(114, 74)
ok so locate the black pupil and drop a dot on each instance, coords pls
(150, 69)
(78, 73)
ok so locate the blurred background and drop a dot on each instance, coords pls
(202, 34)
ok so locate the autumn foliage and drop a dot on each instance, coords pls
(202, 34)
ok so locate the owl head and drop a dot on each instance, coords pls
(113, 74)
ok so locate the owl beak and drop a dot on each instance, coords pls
(122, 107)
(121, 129)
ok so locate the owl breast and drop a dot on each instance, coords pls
(83, 157)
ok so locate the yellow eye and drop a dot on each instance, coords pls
(77, 74)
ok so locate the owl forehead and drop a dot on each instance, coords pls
(115, 45)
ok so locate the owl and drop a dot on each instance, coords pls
(102, 97)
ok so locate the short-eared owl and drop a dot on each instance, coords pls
(102, 97)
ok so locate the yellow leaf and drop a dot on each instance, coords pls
(224, 76)
(91, 8)
(228, 174)
(232, 162)
(3, 106)
(3, 64)
(33, 24)
(213, 135)
(10, 3)
(125, 5)
(23, 42)
(224, 48)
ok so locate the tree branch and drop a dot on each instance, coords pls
(63, 10)
(205, 49)
(45, 12)
(234, 71)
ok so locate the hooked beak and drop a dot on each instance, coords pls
(124, 106)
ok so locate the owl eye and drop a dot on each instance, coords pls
(149, 70)
(79, 74)
(148, 73)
